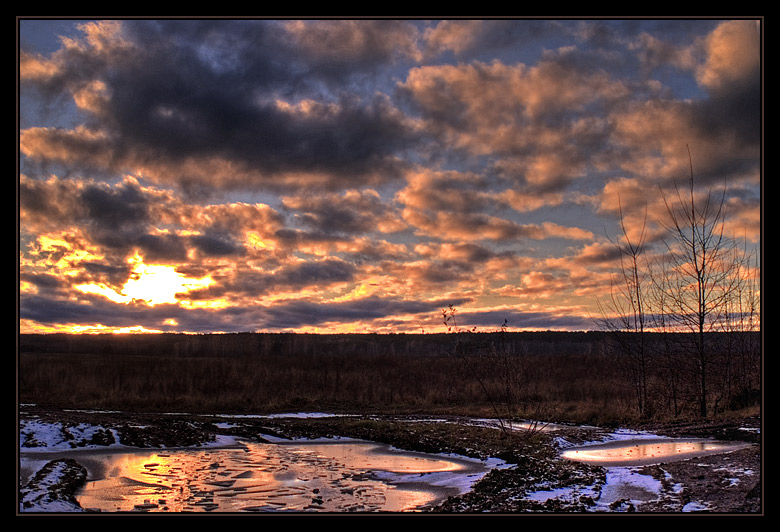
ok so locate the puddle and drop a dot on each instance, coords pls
(647, 451)
(298, 477)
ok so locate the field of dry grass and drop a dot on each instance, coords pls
(551, 376)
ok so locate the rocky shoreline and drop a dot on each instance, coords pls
(728, 483)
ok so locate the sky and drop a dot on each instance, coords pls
(219, 175)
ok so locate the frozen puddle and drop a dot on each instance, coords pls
(647, 451)
(626, 485)
(330, 477)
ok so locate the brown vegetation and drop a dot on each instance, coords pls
(562, 376)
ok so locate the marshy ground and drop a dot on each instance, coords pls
(728, 482)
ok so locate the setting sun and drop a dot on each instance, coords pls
(153, 283)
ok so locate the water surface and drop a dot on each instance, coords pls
(647, 451)
(335, 477)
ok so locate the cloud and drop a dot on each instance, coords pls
(454, 225)
(492, 320)
(205, 103)
(114, 217)
(215, 245)
(353, 212)
(460, 205)
(364, 174)
(45, 203)
(308, 273)
(338, 49)
(434, 190)
(284, 279)
(471, 37)
(537, 122)
(288, 315)
(722, 130)
(297, 313)
(732, 55)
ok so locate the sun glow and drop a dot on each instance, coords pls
(361, 290)
(257, 242)
(53, 247)
(153, 283)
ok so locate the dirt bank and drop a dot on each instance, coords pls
(729, 482)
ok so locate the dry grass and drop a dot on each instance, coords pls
(555, 381)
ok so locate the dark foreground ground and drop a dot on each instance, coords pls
(534, 454)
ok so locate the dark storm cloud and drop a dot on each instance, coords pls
(34, 198)
(297, 276)
(42, 281)
(55, 311)
(332, 218)
(289, 315)
(352, 213)
(115, 217)
(217, 245)
(445, 272)
(354, 141)
(192, 90)
(162, 247)
(48, 203)
(104, 272)
(305, 274)
(308, 273)
(95, 309)
(292, 238)
(303, 313)
(115, 208)
(733, 115)
(493, 319)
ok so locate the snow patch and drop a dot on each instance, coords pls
(695, 506)
(36, 435)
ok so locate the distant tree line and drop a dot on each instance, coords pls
(292, 344)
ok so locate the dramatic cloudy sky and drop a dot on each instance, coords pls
(361, 175)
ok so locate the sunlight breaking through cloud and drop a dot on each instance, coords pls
(262, 175)
(153, 284)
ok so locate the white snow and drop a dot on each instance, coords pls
(39, 499)
(623, 483)
(36, 435)
(695, 506)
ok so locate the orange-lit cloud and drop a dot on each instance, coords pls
(360, 175)
(733, 54)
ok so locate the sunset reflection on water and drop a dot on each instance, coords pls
(265, 477)
(638, 452)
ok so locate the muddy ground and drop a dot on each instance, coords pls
(727, 483)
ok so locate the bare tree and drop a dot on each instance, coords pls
(740, 371)
(625, 312)
(702, 273)
(701, 283)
